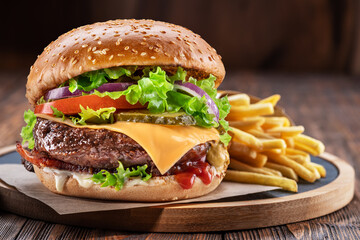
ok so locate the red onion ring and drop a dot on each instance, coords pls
(195, 91)
(64, 92)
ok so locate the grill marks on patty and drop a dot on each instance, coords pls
(97, 148)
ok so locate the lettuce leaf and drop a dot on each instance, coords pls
(88, 115)
(92, 80)
(121, 175)
(58, 113)
(27, 131)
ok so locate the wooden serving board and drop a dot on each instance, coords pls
(252, 211)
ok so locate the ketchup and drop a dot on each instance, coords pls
(186, 173)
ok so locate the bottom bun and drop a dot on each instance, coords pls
(157, 189)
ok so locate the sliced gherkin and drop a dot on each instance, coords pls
(178, 118)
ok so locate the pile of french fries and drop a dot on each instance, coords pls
(266, 149)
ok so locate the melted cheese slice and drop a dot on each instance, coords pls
(165, 144)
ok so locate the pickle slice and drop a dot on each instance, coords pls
(178, 118)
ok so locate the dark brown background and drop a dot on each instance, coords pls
(277, 35)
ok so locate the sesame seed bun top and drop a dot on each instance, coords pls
(122, 43)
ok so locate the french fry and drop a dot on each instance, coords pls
(289, 142)
(299, 158)
(239, 150)
(253, 110)
(268, 144)
(246, 138)
(247, 123)
(300, 170)
(312, 169)
(237, 165)
(260, 134)
(309, 144)
(273, 151)
(271, 122)
(305, 148)
(320, 169)
(256, 178)
(285, 171)
(274, 172)
(240, 99)
(286, 131)
(272, 99)
(293, 151)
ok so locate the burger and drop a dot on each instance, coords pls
(127, 110)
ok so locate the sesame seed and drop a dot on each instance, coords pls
(89, 57)
(94, 49)
(158, 45)
(202, 60)
(84, 46)
(153, 57)
(210, 59)
(97, 38)
(134, 51)
(144, 38)
(143, 43)
(143, 54)
(93, 61)
(126, 48)
(99, 42)
(116, 35)
(121, 55)
(76, 51)
(172, 42)
(111, 57)
(163, 32)
(89, 49)
(80, 67)
(166, 54)
(157, 49)
(151, 47)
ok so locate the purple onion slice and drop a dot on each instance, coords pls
(195, 91)
(64, 92)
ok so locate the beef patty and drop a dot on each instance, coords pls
(97, 148)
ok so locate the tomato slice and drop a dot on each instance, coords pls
(71, 106)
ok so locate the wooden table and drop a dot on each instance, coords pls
(327, 106)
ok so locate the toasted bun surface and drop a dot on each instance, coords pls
(161, 189)
(121, 43)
